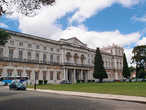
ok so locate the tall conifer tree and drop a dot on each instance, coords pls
(126, 71)
(99, 71)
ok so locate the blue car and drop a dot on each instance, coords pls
(17, 86)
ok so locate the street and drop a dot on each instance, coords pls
(31, 100)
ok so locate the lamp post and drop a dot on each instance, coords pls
(35, 81)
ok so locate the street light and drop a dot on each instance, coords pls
(35, 81)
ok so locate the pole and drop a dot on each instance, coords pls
(35, 81)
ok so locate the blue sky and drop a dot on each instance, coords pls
(97, 23)
(109, 19)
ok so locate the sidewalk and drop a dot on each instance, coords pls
(95, 95)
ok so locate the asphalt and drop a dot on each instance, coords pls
(35, 100)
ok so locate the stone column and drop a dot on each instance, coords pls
(87, 76)
(74, 76)
(24, 73)
(55, 76)
(33, 77)
(64, 74)
(116, 75)
(81, 74)
(67, 74)
(41, 75)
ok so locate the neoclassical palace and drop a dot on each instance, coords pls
(51, 61)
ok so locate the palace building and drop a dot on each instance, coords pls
(50, 61)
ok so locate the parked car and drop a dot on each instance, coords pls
(15, 85)
(2, 83)
(65, 82)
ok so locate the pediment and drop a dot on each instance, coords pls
(75, 42)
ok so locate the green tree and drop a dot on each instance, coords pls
(139, 59)
(26, 7)
(126, 72)
(99, 71)
(132, 69)
(4, 37)
(141, 74)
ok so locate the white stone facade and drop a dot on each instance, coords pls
(52, 61)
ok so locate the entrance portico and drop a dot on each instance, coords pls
(75, 74)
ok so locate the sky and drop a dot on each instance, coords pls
(98, 23)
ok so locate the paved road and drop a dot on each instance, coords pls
(30, 100)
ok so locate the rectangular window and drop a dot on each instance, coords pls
(89, 61)
(0, 72)
(29, 45)
(44, 75)
(29, 55)
(37, 47)
(9, 73)
(45, 48)
(11, 52)
(1, 52)
(52, 49)
(20, 54)
(51, 59)
(19, 73)
(11, 42)
(20, 43)
(58, 75)
(51, 75)
(37, 56)
(58, 50)
(28, 74)
(36, 75)
(44, 57)
(58, 59)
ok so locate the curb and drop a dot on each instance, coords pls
(95, 95)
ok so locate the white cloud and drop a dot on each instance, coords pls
(142, 41)
(100, 39)
(87, 9)
(128, 52)
(140, 19)
(44, 24)
(2, 25)
(128, 3)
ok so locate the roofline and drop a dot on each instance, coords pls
(32, 36)
(49, 40)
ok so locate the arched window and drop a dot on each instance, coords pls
(58, 59)
(51, 58)
(29, 55)
(20, 54)
(37, 56)
(76, 57)
(68, 56)
(82, 59)
(1, 52)
(44, 57)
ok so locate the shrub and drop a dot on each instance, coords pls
(40, 82)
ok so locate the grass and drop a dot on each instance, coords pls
(121, 88)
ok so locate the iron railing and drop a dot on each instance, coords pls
(32, 61)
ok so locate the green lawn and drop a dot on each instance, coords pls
(122, 88)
